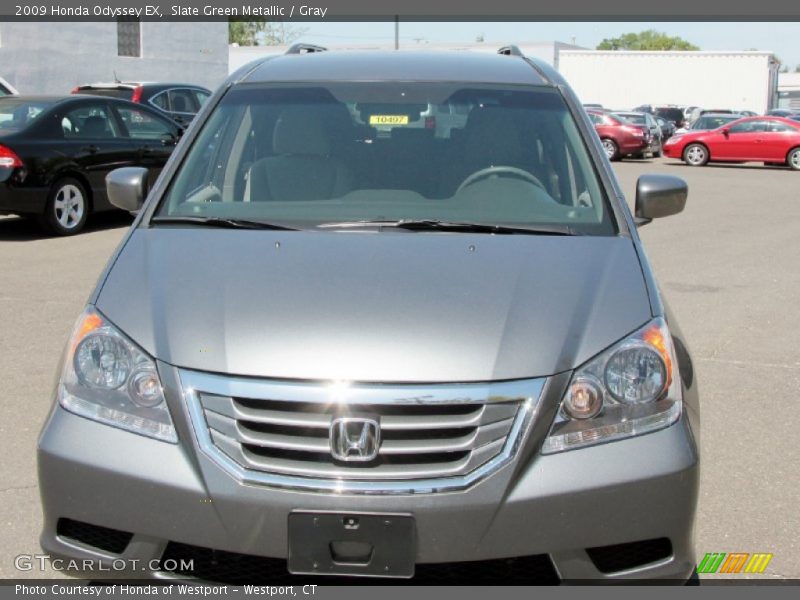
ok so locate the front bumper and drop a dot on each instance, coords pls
(672, 151)
(556, 506)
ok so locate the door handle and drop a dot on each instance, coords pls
(91, 149)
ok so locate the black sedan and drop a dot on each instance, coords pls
(667, 128)
(56, 151)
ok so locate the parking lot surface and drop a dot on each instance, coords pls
(728, 265)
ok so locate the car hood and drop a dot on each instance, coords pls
(363, 306)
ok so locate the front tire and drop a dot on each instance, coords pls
(695, 155)
(793, 159)
(611, 149)
(67, 207)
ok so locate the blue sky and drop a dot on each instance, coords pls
(781, 38)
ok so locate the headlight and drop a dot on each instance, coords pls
(109, 379)
(630, 389)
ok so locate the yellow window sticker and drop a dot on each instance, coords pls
(388, 119)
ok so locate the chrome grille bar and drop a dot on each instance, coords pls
(434, 437)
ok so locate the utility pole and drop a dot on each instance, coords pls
(397, 32)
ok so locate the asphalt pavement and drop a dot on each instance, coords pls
(728, 266)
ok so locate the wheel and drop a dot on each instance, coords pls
(500, 170)
(793, 159)
(695, 155)
(67, 207)
(611, 148)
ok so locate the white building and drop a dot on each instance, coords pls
(52, 58)
(625, 79)
(789, 91)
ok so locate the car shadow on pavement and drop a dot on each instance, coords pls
(23, 229)
(745, 166)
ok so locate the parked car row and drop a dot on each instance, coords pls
(699, 136)
(55, 151)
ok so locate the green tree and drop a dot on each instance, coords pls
(262, 33)
(646, 40)
(245, 33)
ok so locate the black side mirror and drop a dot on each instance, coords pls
(170, 139)
(726, 132)
(659, 196)
(127, 188)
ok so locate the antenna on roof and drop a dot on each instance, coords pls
(510, 50)
(116, 79)
(302, 48)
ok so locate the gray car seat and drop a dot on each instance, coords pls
(95, 127)
(301, 167)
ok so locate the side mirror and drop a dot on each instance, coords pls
(726, 132)
(127, 188)
(659, 196)
(169, 139)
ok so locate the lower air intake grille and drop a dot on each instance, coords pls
(239, 569)
(104, 538)
(610, 559)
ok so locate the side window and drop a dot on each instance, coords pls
(778, 127)
(90, 121)
(596, 119)
(144, 125)
(749, 127)
(161, 100)
(200, 97)
(182, 100)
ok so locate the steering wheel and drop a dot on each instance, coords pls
(501, 170)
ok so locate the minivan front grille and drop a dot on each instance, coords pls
(426, 433)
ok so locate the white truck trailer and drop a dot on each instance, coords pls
(621, 79)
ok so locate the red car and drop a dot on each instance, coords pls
(619, 136)
(772, 140)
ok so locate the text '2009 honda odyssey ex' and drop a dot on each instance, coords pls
(336, 342)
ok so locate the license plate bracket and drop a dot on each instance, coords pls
(360, 544)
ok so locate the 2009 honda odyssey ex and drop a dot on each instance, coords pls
(337, 341)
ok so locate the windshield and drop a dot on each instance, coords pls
(671, 114)
(310, 156)
(17, 113)
(633, 118)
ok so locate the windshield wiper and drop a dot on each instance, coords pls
(459, 226)
(221, 222)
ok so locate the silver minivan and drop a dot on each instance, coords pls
(322, 351)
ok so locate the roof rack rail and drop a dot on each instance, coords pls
(510, 50)
(304, 49)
